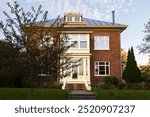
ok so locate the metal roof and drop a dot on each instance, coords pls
(90, 22)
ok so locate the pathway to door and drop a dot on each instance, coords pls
(81, 95)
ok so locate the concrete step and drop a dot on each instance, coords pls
(82, 95)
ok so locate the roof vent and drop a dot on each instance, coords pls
(113, 17)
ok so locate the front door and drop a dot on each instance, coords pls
(77, 71)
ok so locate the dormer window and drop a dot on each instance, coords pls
(69, 19)
(78, 19)
(73, 17)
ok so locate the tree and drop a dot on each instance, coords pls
(12, 71)
(41, 48)
(132, 73)
(8, 65)
(145, 46)
(145, 70)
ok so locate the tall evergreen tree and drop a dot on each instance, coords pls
(132, 73)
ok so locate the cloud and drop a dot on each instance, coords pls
(97, 9)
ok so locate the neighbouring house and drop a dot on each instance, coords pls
(98, 47)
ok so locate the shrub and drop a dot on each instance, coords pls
(121, 85)
(111, 80)
(135, 86)
(146, 77)
(106, 86)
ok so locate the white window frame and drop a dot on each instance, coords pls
(73, 19)
(69, 19)
(102, 65)
(79, 41)
(77, 19)
(106, 42)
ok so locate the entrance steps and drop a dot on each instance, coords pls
(82, 95)
(80, 86)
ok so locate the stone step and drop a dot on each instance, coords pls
(82, 95)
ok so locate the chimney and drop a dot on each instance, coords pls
(113, 17)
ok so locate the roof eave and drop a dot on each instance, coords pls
(122, 27)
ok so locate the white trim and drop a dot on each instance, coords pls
(104, 38)
(79, 41)
(102, 65)
(81, 78)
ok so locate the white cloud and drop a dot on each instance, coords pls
(97, 9)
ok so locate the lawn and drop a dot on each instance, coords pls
(121, 94)
(58, 94)
(39, 94)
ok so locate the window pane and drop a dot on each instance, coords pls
(96, 43)
(77, 18)
(83, 37)
(83, 41)
(107, 70)
(75, 44)
(74, 37)
(101, 72)
(83, 44)
(101, 63)
(101, 42)
(81, 67)
(96, 63)
(69, 18)
(86, 67)
(102, 68)
(107, 63)
(96, 70)
(74, 69)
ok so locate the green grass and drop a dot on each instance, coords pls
(121, 94)
(38, 94)
(58, 94)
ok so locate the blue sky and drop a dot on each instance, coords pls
(133, 13)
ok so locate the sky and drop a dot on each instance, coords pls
(133, 13)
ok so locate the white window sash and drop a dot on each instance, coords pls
(101, 42)
(105, 67)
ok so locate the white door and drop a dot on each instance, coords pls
(78, 71)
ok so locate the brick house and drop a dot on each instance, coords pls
(98, 47)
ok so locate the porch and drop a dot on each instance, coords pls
(79, 78)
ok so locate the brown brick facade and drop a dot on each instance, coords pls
(113, 55)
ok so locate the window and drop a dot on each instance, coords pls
(83, 41)
(78, 40)
(74, 40)
(69, 18)
(81, 67)
(101, 43)
(74, 69)
(77, 18)
(72, 19)
(101, 68)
